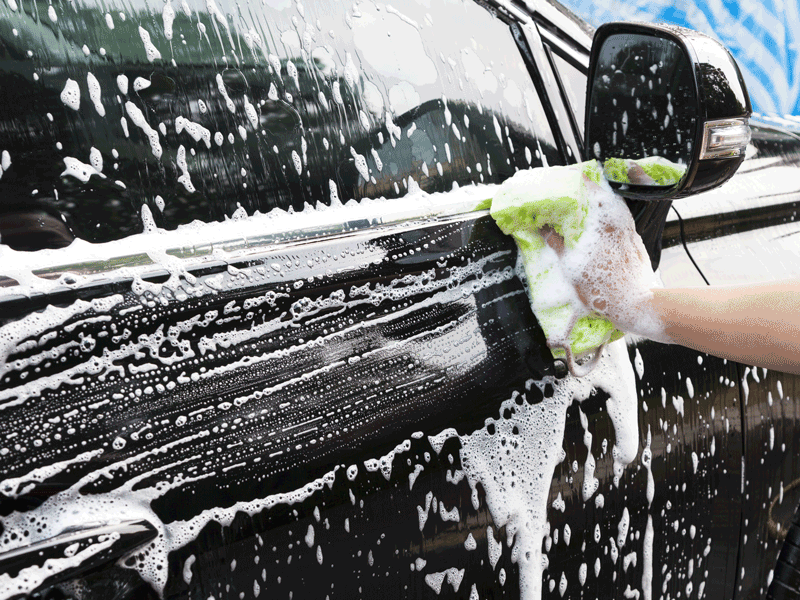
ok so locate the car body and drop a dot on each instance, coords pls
(254, 334)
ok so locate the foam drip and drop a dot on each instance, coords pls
(516, 469)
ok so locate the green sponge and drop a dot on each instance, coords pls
(662, 171)
(554, 196)
(557, 197)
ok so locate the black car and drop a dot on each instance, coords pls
(256, 341)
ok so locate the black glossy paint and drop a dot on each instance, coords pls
(713, 172)
(757, 221)
(722, 87)
(473, 347)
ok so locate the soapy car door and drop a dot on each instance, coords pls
(689, 426)
(278, 396)
(745, 233)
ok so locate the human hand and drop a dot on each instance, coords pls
(609, 267)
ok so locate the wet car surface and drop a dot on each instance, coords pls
(344, 399)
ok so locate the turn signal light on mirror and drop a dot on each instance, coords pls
(725, 138)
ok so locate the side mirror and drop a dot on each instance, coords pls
(666, 110)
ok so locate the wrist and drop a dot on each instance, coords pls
(644, 317)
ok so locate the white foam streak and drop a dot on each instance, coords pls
(20, 265)
(150, 50)
(137, 117)
(519, 503)
(195, 130)
(95, 94)
(647, 567)
(14, 487)
(71, 94)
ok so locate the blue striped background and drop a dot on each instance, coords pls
(764, 36)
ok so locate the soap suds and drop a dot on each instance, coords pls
(71, 94)
(137, 117)
(96, 159)
(122, 83)
(184, 178)
(517, 482)
(95, 94)
(168, 17)
(601, 255)
(195, 130)
(79, 170)
(150, 50)
(224, 93)
(140, 83)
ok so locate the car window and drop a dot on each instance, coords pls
(573, 81)
(204, 108)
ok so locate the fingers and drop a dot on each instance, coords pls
(637, 175)
(589, 185)
(552, 239)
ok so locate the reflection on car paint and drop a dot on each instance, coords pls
(523, 517)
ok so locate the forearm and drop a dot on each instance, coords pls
(754, 324)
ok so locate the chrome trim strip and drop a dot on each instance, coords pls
(284, 229)
(554, 40)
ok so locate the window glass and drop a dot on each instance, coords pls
(574, 82)
(200, 108)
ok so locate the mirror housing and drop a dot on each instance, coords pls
(671, 99)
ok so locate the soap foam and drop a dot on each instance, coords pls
(138, 119)
(195, 130)
(150, 50)
(597, 267)
(611, 265)
(95, 94)
(168, 16)
(71, 94)
(79, 170)
(516, 469)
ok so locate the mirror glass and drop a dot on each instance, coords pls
(642, 119)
